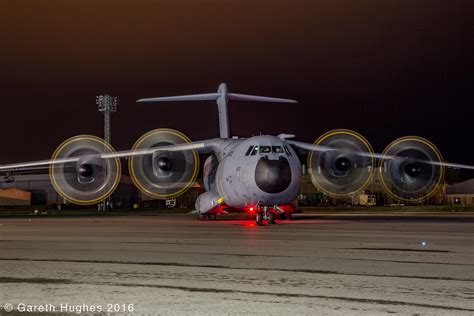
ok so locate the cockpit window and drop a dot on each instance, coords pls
(248, 151)
(254, 151)
(277, 149)
(265, 149)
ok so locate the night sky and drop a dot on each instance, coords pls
(383, 68)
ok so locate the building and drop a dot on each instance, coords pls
(186, 200)
(310, 196)
(39, 186)
(14, 196)
(36, 189)
(461, 193)
(42, 191)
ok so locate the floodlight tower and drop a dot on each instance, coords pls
(108, 105)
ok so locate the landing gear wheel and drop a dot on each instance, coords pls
(271, 218)
(212, 217)
(202, 217)
(259, 218)
(282, 216)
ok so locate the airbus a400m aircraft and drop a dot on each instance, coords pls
(260, 174)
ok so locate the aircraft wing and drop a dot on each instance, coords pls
(319, 148)
(201, 146)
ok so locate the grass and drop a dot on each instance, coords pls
(42, 212)
(29, 211)
(388, 209)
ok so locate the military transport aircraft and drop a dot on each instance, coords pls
(259, 174)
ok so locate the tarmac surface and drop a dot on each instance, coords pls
(173, 265)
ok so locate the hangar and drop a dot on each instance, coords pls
(36, 189)
(43, 193)
(14, 196)
(461, 193)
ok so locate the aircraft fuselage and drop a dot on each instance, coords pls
(255, 172)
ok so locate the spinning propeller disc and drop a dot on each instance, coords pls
(341, 172)
(165, 174)
(101, 176)
(415, 174)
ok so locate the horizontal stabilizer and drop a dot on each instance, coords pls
(191, 97)
(247, 97)
(221, 97)
(215, 96)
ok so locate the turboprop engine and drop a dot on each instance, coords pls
(90, 178)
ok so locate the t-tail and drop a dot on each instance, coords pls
(221, 97)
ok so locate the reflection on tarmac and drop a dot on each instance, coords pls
(175, 264)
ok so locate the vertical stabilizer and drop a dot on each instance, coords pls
(223, 112)
(221, 97)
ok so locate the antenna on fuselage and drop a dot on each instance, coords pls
(221, 97)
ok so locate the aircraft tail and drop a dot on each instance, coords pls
(221, 97)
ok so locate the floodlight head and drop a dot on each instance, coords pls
(106, 103)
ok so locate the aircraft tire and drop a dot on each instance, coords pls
(271, 218)
(259, 218)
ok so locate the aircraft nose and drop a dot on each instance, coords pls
(273, 176)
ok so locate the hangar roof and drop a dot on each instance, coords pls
(45, 177)
(466, 187)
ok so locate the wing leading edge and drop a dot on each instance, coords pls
(319, 148)
(44, 164)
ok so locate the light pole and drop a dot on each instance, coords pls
(108, 105)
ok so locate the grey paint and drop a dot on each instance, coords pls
(230, 173)
(221, 97)
(235, 180)
(223, 111)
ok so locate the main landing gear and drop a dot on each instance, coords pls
(286, 216)
(265, 214)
